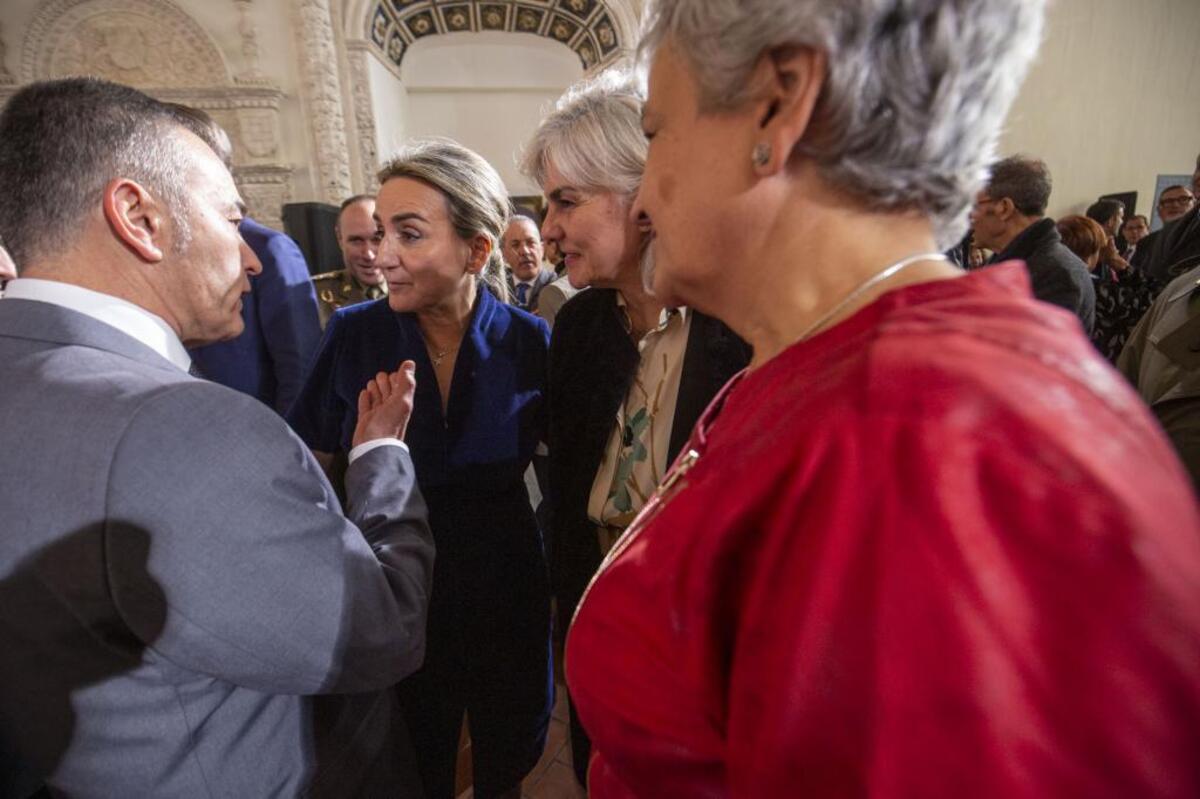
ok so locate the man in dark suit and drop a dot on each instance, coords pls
(1163, 255)
(1009, 218)
(269, 360)
(185, 610)
(522, 248)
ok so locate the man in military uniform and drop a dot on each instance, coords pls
(361, 280)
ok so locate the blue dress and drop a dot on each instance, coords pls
(488, 649)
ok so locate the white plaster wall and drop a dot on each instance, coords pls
(485, 90)
(389, 100)
(1114, 99)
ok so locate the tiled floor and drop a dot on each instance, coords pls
(552, 777)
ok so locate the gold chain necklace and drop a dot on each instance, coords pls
(878, 277)
(438, 357)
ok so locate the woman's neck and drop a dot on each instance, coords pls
(443, 325)
(813, 259)
(644, 309)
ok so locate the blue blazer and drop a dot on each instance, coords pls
(269, 360)
(470, 462)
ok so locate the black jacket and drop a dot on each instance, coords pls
(1171, 250)
(592, 364)
(1056, 274)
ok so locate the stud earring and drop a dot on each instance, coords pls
(761, 155)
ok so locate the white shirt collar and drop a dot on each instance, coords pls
(132, 320)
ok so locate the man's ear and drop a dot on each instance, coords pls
(136, 218)
(481, 250)
(1005, 208)
(790, 80)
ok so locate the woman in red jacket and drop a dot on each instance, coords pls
(896, 557)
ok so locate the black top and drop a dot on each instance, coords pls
(592, 364)
(1056, 274)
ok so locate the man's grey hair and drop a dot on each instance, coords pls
(1024, 180)
(62, 141)
(201, 123)
(593, 137)
(917, 90)
(475, 195)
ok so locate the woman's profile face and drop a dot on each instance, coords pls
(696, 187)
(425, 262)
(591, 230)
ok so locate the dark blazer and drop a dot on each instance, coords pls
(489, 617)
(1171, 250)
(592, 364)
(1056, 274)
(269, 360)
(177, 593)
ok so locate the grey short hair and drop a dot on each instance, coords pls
(594, 135)
(62, 141)
(1024, 180)
(201, 123)
(475, 195)
(916, 92)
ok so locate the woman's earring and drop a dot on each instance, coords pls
(761, 155)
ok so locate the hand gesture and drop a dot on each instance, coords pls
(385, 405)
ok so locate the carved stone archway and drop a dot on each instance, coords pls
(158, 48)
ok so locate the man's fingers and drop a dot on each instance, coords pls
(384, 385)
(364, 402)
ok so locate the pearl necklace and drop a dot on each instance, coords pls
(878, 277)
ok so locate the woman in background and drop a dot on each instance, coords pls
(629, 375)
(1122, 299)
(477, 415)
(929, 544)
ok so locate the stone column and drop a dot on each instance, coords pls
(364, 113)
(322, 99)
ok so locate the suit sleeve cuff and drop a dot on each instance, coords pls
(367, 446)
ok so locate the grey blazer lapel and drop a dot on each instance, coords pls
(42, 321)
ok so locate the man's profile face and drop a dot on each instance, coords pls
(522, 248)
(359, 236)
(205, 278)
(1174, 203)
(986, 221)
(1115, 222)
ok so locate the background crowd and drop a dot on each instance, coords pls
(834, 499)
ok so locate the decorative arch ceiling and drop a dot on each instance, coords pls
(587, 27)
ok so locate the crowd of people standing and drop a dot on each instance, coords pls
(825, 513)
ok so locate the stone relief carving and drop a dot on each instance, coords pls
(265, 190)
(259, 132)
(249, 33)
(322, 99)
(156, 47)
(364, 114)
(6, 77)
(139, 42)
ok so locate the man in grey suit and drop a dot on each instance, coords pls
(184, 610)
(522, 250)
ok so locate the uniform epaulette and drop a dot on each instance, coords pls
(328, 275)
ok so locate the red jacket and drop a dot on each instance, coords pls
(940, 549)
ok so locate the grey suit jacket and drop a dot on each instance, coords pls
(544, 278)
(178, 583)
